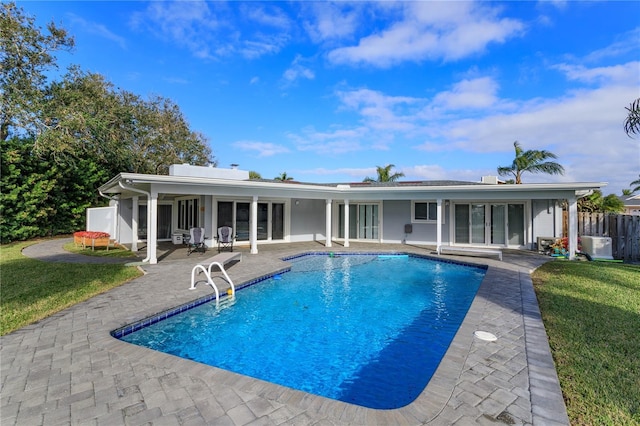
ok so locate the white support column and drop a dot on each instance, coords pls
(327, 227)
(346, 223)
(254, 225)
(438, 225)
(152, 228)
(573, 227)
(135, 211)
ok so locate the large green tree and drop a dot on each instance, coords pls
(532, 161)
(598, 203)
(26, 53)
(162, 137)
(385, 175)
(41, 196)
(86, 115)
(61, 139)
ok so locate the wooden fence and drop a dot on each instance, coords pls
(624, 231)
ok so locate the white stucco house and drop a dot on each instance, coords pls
(438, 213)
(631, 205)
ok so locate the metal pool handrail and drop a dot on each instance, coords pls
(207, 273)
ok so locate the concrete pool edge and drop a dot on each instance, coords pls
(473, 275)
(432, 402)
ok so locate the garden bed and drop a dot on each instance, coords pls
(92, 239)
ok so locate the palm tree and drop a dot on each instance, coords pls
(597, 203)
(532, 161)
(637, 185)
(384, 174)
(283, 177)
(632, 122)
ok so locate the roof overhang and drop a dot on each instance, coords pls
(183, 185)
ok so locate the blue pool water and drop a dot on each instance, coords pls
(369, 330)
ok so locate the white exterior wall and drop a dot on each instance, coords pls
(547, 219)
(125, 218)
(307, 220)
(103, 219)
(396, 215)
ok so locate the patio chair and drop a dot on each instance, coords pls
(225, 238)
(196, 241)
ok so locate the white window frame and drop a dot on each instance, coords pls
(270, 201)
(192, 220)
(428, 220)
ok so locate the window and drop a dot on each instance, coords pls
(237, 215)
(188, 213)
(425, 211)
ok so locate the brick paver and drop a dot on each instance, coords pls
(67, 369)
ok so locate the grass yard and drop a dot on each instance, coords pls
(116, 252)
(32, 290)
(591, 311)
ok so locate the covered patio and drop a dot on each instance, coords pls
(156, 208)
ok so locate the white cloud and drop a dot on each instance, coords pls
(204, 28)
(262, 45)
(264, 14)
(476, 93)
(615, 73)
(98, 29)
(332, 21)
(582, 126)
(380, 111)
(426, 172)
(298, 70)
(356, 173)
(188, 24)
(263, 149)
(626, 44)
(431, 31)
(338, 141)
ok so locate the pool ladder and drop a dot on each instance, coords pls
(207, 271)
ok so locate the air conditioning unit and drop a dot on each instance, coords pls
(597, 247)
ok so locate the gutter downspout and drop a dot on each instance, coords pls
(140, 191)
(114, 198)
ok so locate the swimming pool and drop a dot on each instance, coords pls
(368, 329)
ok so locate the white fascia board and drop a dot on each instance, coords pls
(471, 192)
(206, 186)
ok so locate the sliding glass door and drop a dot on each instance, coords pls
(478, 227)
(277, 221)
(237, 215)
(515, 228)
(489, 224)
(498, 224)
(364, 221)
(164, 222)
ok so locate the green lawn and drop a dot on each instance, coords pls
(32, 290)
(116, 252)
(591, 311)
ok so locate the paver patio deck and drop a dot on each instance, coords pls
(67, 369)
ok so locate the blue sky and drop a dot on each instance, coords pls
(328, 91)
